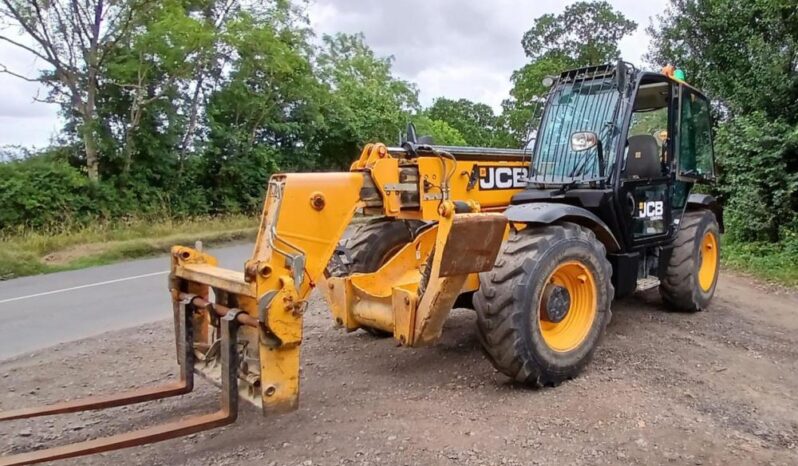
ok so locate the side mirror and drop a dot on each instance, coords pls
(583, 140)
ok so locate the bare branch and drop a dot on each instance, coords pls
(43, 26)
(95, 26)
(65, 26)
(47, 100)
(32, 32)
(225, 10)
(80, 15)
(5, 70)
(25, 47)
(119, 32)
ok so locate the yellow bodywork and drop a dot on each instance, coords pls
(304, 217)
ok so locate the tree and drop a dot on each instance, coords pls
(585, 33)
(759, 181)
(745, 56)
(440, 131)
(364, 102)
(75, 39)
(144, 104)
(476, 122)
(209, 66)
(265, 115)
(522, 111)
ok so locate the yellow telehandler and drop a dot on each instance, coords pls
(538, 242)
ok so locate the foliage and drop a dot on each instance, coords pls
(771, 261)
(75, 40)
(43, 192)
(262, 117)
(195, 105)
(476, 122)
(585, 33)
(745, 56)
(440, 131)
(650, 123)
(522, 111)
(364, 101)
(761, 187)
(179, 108)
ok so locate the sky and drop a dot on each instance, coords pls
(450, 48)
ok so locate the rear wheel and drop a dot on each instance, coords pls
(692, 272)
(369, 248)
(543, 308)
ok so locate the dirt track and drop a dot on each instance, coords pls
(719, 387)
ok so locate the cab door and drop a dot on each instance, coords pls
(695, 157)
(646, 181)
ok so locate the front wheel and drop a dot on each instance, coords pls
(543, 308)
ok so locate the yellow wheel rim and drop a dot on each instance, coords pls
(709, 261)
(574, 328)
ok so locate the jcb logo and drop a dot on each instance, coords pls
(653, 210)
(502, 177)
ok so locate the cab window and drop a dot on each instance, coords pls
(695, 136)
(652, 122)
(645, 154)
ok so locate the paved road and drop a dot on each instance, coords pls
(39, 311)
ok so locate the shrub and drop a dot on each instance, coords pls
(43, 192)
(759, 178)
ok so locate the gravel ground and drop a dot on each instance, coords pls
(718, 387)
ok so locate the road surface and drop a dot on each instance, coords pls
(711, 388)
(43, 310)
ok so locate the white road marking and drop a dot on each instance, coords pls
(90, 285)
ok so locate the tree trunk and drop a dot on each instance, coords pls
(89, 123)
(194, 116)
(92, 154)
(89, 134)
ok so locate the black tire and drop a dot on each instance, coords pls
(508, 303)
(369, 247)
(680, 287)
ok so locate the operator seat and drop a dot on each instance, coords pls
(642, 158)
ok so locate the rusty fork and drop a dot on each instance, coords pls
(227, 413)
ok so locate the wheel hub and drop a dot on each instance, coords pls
(556, 303)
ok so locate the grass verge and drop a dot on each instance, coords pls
(774, 262)
(33, 252)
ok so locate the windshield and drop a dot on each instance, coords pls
(583, 105)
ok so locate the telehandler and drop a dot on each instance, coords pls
(538, 242)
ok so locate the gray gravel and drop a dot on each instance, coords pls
(716, 387)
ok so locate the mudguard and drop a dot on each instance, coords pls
(548, 212)
(698, 201)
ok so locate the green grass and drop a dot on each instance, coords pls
(29, 252)
(774, 262)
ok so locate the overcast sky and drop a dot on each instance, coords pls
(452, 48)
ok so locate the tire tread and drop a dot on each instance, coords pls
(500, 320)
